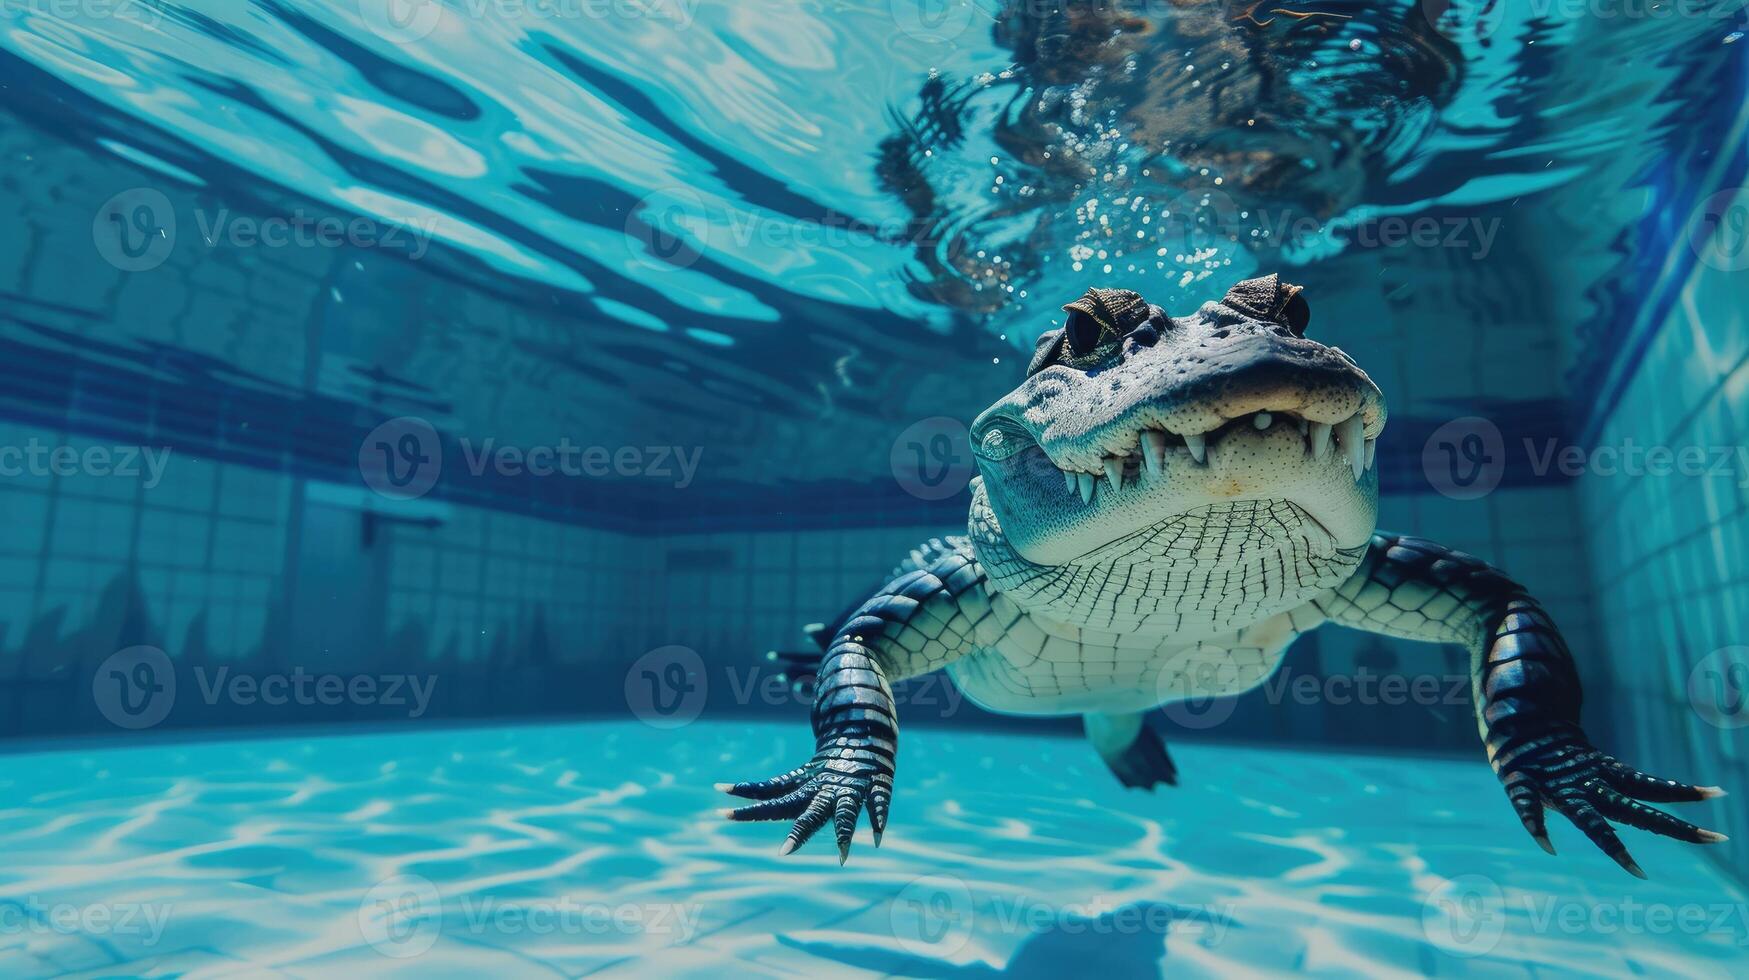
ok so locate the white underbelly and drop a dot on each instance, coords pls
(1037, 667)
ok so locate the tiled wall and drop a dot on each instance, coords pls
(90, 564)
(1668, 551)
(266, 574)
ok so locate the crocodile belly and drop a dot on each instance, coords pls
(1059, 669)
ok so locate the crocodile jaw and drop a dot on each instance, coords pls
(1049, 523)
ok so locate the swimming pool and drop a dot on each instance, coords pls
(500, 346)
(593, 850)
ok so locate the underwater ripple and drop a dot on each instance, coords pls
(594, 849)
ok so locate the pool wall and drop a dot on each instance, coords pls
(1666, 551)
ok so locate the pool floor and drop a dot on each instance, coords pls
(593, 850)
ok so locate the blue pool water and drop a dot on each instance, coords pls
(780, 239)
(592, 849)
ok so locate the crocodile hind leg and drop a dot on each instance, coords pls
(1135, 753)
(1525, 687)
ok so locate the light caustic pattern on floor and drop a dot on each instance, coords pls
(594, 849)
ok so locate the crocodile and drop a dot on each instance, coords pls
(1160, 508)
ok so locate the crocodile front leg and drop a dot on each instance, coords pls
(1525, 687)
(919, 622)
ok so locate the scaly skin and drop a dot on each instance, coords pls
(1525, 687)
(1234, 509)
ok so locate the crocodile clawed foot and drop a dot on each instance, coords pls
(852, 771)
(1562, 771)
(1145, 764)
(1135, 753)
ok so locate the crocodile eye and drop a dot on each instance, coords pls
(1097, 323)
(1297, 314)
(1085, 334)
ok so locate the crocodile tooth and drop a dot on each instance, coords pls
(1372, 446)
(1114, 471)
(1320, 438)
(1354, 443)
(1263, 420)
(1069, 480)
(1198, 444)
(1085, 482)
(1154, 451)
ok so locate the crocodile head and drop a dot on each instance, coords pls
(1130, 420)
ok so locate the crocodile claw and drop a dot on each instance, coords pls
(1562, 771)
(850, 771)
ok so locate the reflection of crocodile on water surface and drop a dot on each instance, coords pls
(1218, 118)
